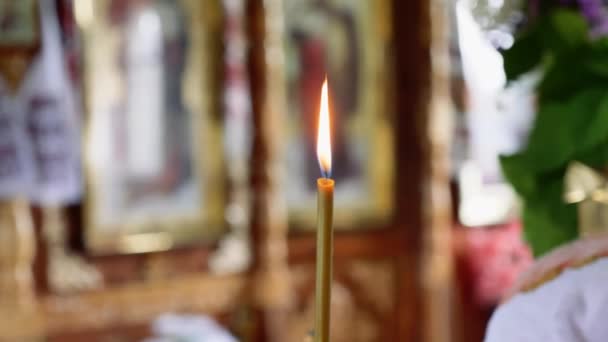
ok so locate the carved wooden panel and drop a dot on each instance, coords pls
(134, 304)
(363, 301)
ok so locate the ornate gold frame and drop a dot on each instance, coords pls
(375, 111)
(201, 93)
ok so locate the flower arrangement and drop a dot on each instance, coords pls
(567, 41)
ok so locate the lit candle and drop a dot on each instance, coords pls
(325, 207)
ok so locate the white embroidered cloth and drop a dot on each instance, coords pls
(571, 308)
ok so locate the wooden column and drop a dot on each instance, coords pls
(18, 307)
(17, 248)
(437, 259)
(271, 285)
(423, 199)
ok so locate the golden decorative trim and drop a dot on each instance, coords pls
(437, 272)
(557, 271)
(575, 254)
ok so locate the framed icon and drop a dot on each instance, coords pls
(153, 159)
(347, 42)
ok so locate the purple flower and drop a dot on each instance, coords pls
(596, 15)
(600, 29)
(592, 10)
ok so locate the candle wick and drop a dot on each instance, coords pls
(325, 173)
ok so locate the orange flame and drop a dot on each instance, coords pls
(323, 134)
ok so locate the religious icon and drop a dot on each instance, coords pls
(345, 42)
(150, 108)
(151, 174)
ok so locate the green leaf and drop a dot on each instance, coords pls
(548, 221)
(571, 123)
(561, 30)
(597, 127)
(562, 128)
(543, 233)
(596, 157)
(595, 60)
(515, 169)
(524, 55)
(571, 72)
(567, 30)
(550, 143)
(574, 129)
(561, 132)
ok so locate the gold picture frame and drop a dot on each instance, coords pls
(152, 142)
(347, 41)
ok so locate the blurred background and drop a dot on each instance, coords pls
(158, 163)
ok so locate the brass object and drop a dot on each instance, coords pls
(171, 193)
(17, 249)
(588, 188)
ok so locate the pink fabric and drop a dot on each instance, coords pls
(494, 258)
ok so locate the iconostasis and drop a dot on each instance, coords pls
(168, 156)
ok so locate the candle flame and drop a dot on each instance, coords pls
(323, 134)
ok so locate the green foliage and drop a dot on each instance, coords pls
(548, 220)
(525, 54)
(561, 32)
(571, 123)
